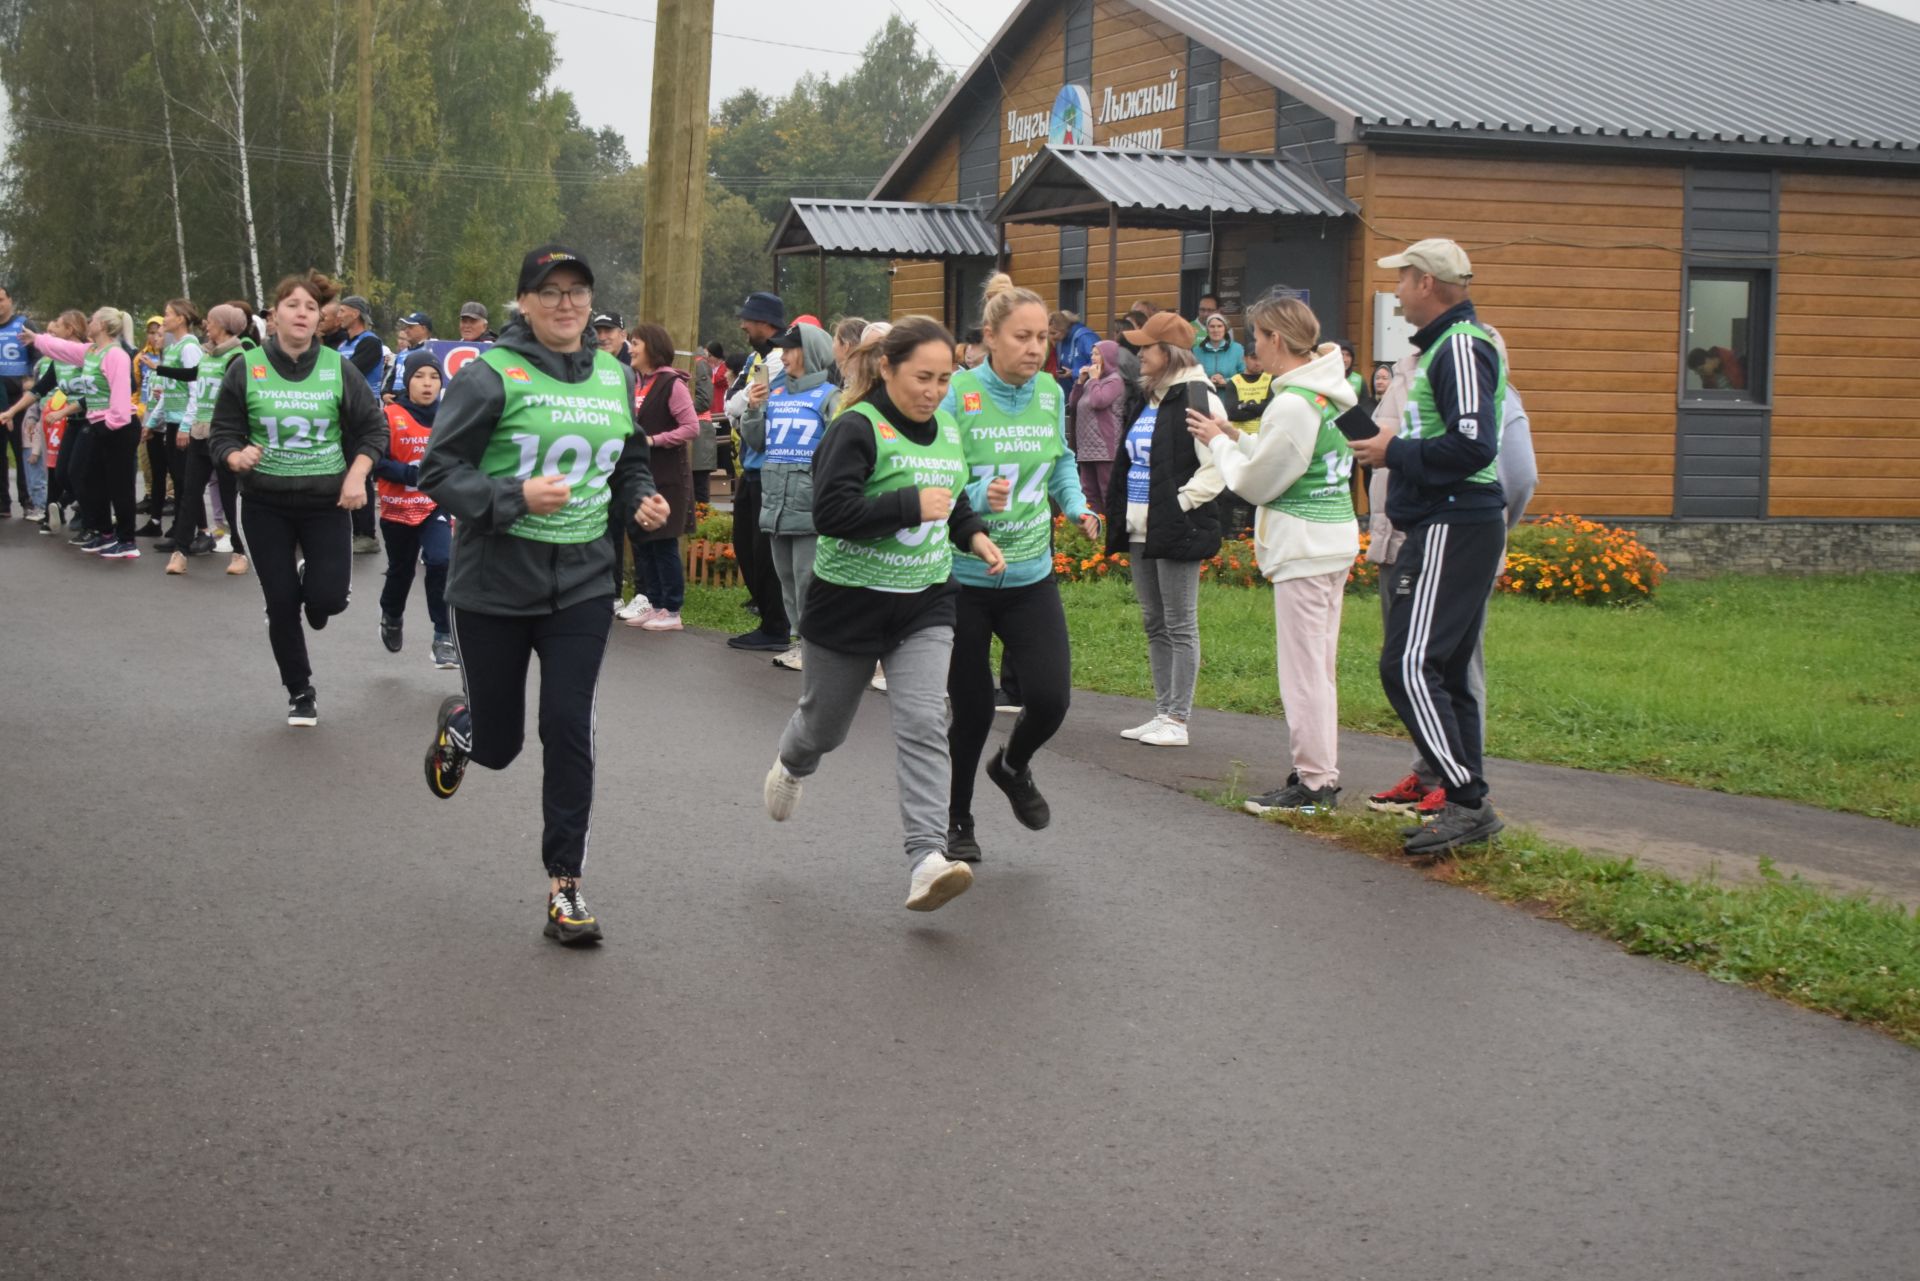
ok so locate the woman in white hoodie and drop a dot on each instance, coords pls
(1296, 472)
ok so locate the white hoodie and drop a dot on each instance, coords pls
(1262, 466)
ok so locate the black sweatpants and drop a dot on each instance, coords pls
(277, 539)
(113, 470)
(75, 446)
(429, 543)
(364, 519)
(160, 463)
(190, 510)
(1439, 587)
(753, 552)
(494, 653)
(1032, 628)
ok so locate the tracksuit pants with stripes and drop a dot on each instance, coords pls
(1439, 587)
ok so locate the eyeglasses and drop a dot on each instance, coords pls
(579, 295)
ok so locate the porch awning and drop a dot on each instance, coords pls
(882, 229)
(1085, 186)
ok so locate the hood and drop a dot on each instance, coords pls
(569, 366)
(1324, 375)
(1109, 352)
(816, 350)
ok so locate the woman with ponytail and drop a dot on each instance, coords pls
(890, 505)
(1012, 427)
(226, 341)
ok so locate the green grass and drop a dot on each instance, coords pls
(1841, 954)
(1806, 689)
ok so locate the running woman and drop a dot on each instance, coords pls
(226, 325)
(105, 382)
(412, 529)
(1013, 428)
(890, 503)
(534, 453)
(302, 431)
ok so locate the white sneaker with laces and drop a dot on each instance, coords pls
(1141, 731)
(937, 880)
(661, 620)
(1170, 733)
(781, 792)
(879, 680)
(789, 660)
(633, 609)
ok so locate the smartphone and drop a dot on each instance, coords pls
(763, 373)
(1357, 424)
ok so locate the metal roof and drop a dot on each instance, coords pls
(1166, 188)
(1767, 78)
(1739, 74)
(882, 229)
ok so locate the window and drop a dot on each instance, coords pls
(1193, 284)
(1073, 297)
(1726, 337)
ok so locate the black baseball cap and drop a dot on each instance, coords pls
(417, 318)
(607, 320)
(544, 261)
(788, 337)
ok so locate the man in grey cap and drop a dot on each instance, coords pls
(473, 323)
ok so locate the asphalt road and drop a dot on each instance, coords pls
(271, 1010)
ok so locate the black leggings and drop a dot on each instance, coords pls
(113, 465)
(163, 466)
(190, 507)
(277, 538)
(1032, 628)
(429, 543)
(72, 467)
(495, 650)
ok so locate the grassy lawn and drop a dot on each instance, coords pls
(1806, 689)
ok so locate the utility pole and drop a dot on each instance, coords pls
(363, 159)
(677, 170)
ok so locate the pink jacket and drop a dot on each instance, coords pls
(115, 364)
(686, 423)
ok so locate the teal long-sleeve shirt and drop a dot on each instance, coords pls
(1063, 483)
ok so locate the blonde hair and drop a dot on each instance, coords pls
(891, 343)
(1000, 299)
(850, 330)
(1179, 361)
(1289, 320)
(112, 321)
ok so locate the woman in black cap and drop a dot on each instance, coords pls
(534, 452)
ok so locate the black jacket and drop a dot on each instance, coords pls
(1172, 534)
(1428, 477)
(363, 427)
(493, 571)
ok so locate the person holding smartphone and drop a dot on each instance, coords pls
(535, 454)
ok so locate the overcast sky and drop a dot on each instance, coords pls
(606, 60)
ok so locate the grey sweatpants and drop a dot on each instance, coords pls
(1476, 681)
(831, 686)
(793, 564)
(1169, 595)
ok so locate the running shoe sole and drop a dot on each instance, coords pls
(1390, 807)
(303, 722)
(578, 936)
(436, 782)
(942, 889)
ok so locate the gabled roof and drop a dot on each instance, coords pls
(881, 228)
(1162, 188)
(1814, 79)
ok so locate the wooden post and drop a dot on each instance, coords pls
(1113, 262)
(363, 161)
(677, 170)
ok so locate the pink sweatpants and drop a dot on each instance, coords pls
(1306, 618)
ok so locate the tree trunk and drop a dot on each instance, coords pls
(240, 135)
(173, 167)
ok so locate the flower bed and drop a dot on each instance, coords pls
(1567, 557)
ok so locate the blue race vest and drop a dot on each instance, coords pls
(346, 350)
(13, 352)
(1140, 454)
(795, 423)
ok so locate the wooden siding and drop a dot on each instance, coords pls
(1593, 331)
(1846, 412)
(1246, 110)
(919, 288)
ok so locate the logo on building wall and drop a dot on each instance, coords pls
(1071, 124)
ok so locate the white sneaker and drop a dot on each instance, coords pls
(633, 609)
(639, 619)
(1141, 731)
(223, 545)
(781, 792)
(1170, 733)
(661, 620)
(879, 680)
(936, 881)
(789, 660)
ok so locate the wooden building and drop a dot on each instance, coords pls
(1636, 183)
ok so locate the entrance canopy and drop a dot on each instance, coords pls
(882, 229)
(1092, 186)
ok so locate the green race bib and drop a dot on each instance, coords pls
(907, 560)
(548, 427)
(1423, 420)
(296, 424)
(1020, 448)
(1324, 493)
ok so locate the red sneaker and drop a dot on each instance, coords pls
(1401, 798)
(1430, 805)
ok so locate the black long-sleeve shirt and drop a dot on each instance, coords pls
(858, 620)
(1428, 480)
(363, 428)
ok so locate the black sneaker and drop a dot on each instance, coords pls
(569, 920)
(167, 545)
(1028, 805)
(80, 536)
(961, 845)
(303, 709)
(765, 642)
(390, 634)
(202, 545)
(1296, 798)
(1457, 825)
(149, 530)
(445, 656)
(446, 757)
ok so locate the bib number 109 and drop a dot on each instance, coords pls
(570, 458)
(295, 433)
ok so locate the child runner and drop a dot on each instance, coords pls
(412, 529)
(302, 430)
(890, 504)
(1013, 428)
(533, 453)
